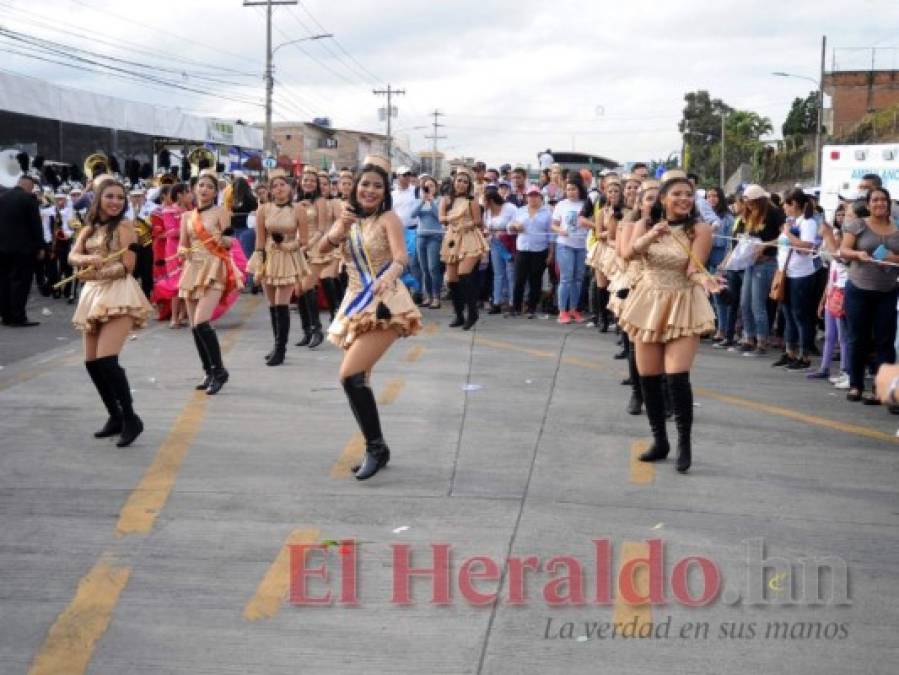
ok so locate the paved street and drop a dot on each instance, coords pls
(170, 556)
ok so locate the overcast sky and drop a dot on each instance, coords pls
(512, 78)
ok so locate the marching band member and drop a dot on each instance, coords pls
(377, 308)
(209, 275)
(668, 311)
(110, 306)
(278, 262)
(318, 215)
(462, 247)
(62, 243)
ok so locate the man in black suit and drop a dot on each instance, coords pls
(21, 247)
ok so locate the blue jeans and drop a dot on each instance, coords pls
(799, 314)
(754, 298)
(503, 272)
(428, 249)
(412, 252)
(715, 259)
(571, 274)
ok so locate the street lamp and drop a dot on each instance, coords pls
(270, 84)
(820, 88)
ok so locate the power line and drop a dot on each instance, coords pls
(353, 65)
(96, 37)
(116, 69)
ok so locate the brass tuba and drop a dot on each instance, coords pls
(144, 231)
(96, 164)
(10, 170)
(201, 158)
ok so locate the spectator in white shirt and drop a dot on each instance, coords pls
(404, 203)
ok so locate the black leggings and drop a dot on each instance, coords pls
(529, 267)
(871, 318)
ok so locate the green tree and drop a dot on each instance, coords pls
(701, 129)
(802, 120)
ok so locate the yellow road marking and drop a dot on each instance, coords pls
(641, 473)
(273, 589)
(355, 447)
(779, 411)
(623, 612)
(146, 500)
(70, 642)
(796, 415)
(414, 354)
(502, 344)
(350, 457)
(149, 497)
(391, 391)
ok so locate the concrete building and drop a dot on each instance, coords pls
(854, 93)
(433, 163)
(324, 146)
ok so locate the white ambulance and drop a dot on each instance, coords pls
(842, 168)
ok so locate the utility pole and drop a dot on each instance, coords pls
(435, 167)
(269, 77)
(820, 112)
(723, 177)
(390, 93)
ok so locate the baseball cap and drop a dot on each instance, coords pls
(755, 192)
(504, 183)
(403, 170)
(534, 190)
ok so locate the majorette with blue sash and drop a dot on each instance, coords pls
(356, 247)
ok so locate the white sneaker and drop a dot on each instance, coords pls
(837, 378)
(842, 384)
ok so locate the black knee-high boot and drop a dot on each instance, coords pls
(305, 321)
(455, 289)
(273, 314)
(333, 294)
(669, 404)
(114, 374)
(603, 307)
(654, 398)
(204, 359)
(113, 425)
(365, 410)
(315, 325)
(210, 342)
(469, 285)
(283, 330)
(635, 405)
(682, 402)
(625, 347)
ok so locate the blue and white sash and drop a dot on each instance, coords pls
(356, 246)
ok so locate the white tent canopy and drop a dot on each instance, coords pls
(30, 96)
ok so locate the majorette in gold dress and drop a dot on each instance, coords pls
(102, 298)
(317, 227)
(462, 238)
(208, 266)
(366, 254)
(284, 263)
(665, 304)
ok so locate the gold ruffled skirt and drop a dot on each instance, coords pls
(459, 244)
(201, 273)
(103, 300)
(281, 268)
(595, 254)
(405, 318)
(660, 309)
